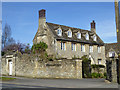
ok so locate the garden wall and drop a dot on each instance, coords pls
(30, 66)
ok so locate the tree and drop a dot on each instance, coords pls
(15, 47)
(6, 36)
(27, 48)
(10, 41)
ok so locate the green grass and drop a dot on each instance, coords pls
(6, 78)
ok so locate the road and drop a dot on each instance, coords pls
(21, 82)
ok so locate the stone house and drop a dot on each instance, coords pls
(111, 50)
(68, 42)
(111, 53)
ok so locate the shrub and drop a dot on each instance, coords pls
(2, 53)
(97, 75)
(97, 67)
(105, 75)
(94, 75)
(40, 47)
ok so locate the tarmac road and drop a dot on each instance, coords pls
(21, 82)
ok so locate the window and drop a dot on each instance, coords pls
(59, 32)
(112, 54)
(73, 47)
(99, 49)
(99, 61)
(78, 35)
(87, 36)
(63, 46)
(82, 47)
(69, 34)
(91, 48)
(94, 38)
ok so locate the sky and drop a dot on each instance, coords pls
(23, 17)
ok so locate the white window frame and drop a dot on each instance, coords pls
(73, 46)
(69, 33)
(79, 35)
(63, 46)
(87, 36)
(112, 54)
(99, 61)
(99, 49)
(94, 38)
(59, 32)
(82, 47)
(91, 48)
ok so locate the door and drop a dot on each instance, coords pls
(10, 67)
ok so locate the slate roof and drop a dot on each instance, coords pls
(113, 46)
(74, 38)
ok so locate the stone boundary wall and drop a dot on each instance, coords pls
(112, 73)
(30, 66)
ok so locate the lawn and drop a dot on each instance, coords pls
(6, 78)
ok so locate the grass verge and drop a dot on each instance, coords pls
(6, 78)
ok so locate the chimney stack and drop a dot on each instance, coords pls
(93, 29)
(42, 17)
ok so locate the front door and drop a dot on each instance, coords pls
(10, 67)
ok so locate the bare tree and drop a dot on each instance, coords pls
(20, 47)
(6, 36)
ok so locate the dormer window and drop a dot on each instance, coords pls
(59, 32)
(112, 54)
(94, 38)
(87, 36)
(69, 34)
(79, 35)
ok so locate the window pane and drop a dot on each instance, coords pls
(61, 45)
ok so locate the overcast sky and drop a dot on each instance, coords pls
(23, 17)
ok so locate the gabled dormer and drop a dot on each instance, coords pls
(78, 35)
(69, 33)
(59, 31)
(87, 36)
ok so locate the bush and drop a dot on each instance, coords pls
(97, 75)
(105, 75)
(2, 53)
(40, 47)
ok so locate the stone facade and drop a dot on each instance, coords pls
(48, 33)
(112, 68)
(31, 66)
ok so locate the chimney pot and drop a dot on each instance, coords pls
(42, 13)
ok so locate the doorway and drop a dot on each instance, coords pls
(10, 64)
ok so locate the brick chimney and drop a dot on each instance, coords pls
(42, 17)
(93, 29)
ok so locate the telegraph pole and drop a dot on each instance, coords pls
(118, 34)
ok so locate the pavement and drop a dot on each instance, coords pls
(22, 82)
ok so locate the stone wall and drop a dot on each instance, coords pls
(112, 69)
(68, 53)
(31, 66)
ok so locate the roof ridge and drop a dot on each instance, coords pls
(111, 43)
(68, 26)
